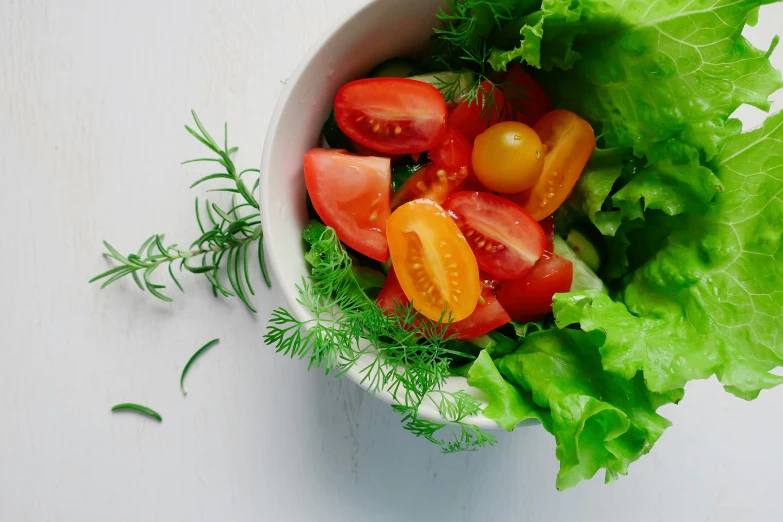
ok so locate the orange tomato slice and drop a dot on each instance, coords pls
(433, 262)
(568, 143)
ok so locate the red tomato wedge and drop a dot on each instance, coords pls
(450, 167)
(569, 142)
(487, 315)
(452, 150)
(351, 194)
(530, 297)
(430, 182)
(474, 118)
(391, 115)
(528, 97)
(548, 225)
(507, 242)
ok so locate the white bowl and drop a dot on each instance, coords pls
(383, 29)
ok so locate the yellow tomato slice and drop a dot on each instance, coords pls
(569, 142)
(434, 263)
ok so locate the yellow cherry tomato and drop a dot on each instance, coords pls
(508, 157)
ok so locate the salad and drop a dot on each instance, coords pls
(555, 203)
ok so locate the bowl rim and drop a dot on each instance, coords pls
(426, 411)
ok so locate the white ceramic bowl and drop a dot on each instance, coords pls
(382, 29)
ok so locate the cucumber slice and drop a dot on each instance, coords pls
(584, 249)
(584, 277)
(394, 68)
(485, 342)
(335, 138)
(401, 174)
(451, 84)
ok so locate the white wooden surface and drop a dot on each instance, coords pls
(93, 96)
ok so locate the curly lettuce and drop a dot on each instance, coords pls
(690, 210)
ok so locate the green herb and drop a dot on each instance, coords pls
(223, 246)
(195, 356)
(129, 406)
(409, 354)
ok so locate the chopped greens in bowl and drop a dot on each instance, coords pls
(668, 237)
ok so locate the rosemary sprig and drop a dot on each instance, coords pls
(410, 358)
(225, 240)
(138, 408)
(195, 356)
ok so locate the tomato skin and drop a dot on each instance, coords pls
(469, 117)
(452, 150)
(433, 262)
(487, 316)
(530, 99)
(569, 142)
(450, 167)
(548, 225)
(430, 182)
(351, 194)
(508, 157)
(530, 297)
(391, 115)
(506, 241)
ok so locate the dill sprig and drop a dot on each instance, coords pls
(224, 244)
(409, 354)
(461, 44)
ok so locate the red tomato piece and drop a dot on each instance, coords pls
(391, 115)
(487, 315)
(548, 225)
(392, 296)
(530, 297)
(528, 97)
(453, 150)
(474, 118)
(351, 194)
(450, 167)
(506, 241)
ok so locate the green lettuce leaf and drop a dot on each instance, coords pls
(507, 405)
(711, 301)
(599, 419)
(654, 71)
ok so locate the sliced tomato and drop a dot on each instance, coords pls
(487, 316)
(433, 262)
(530, 297)
(527, 96)
(473, 118)
(452, 150)
(548, 225)
(569, 142)
(507, 242)
(450, 167)
(430, 182)
(351, 194)
(391, 115)
(391, 295)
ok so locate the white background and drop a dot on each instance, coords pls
(93, 98)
